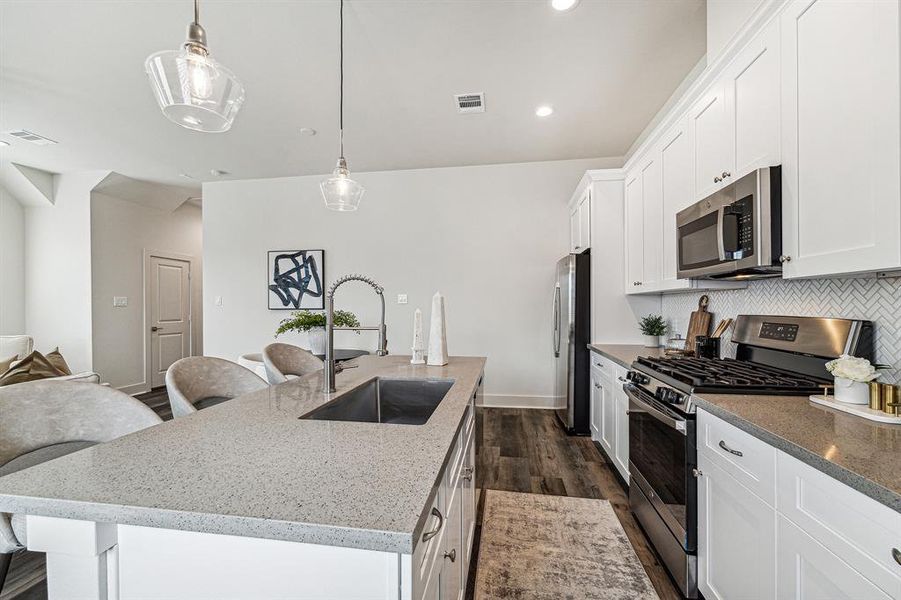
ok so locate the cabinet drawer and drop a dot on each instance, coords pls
(861, 531)
(750, 461)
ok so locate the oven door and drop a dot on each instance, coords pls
(662, 457)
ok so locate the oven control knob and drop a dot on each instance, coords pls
(669, 395)
(639, 378)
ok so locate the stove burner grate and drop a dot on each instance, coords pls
(727, 373)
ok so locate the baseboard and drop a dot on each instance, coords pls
(514, 401)
(135, 388)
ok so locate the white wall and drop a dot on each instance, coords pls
(724, 19)
(58, 269)
(120, 232)
(487, 237)
(12, 265)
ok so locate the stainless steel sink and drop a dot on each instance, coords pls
(381, 400)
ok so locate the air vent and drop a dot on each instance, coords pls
(470, 103)
(30, 136)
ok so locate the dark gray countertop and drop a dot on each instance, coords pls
(625, 354)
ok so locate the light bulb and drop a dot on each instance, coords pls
(200, 79)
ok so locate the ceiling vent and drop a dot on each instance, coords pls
(30, 136)
(470, 103)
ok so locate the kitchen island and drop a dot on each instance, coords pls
(247, 499)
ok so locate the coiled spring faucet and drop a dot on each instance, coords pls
(328, 377)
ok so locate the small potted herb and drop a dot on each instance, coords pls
(652, 327)
(313, 322)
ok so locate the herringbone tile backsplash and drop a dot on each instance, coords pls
(878, 300)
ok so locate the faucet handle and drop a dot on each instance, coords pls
(341, 366)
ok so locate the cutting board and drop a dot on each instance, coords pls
(698, 324)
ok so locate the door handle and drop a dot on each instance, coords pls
(557, 321)
(430, 534)
(723, 445)
(155, 328)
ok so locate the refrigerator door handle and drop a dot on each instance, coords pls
(557, 321)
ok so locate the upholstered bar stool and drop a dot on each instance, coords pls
(43, 420)
(282, 360)
(198, 382)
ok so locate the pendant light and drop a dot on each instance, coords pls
(339, 191)
(193, 89)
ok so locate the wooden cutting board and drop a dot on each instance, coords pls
(699, 324)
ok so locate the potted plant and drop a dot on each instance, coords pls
(313, 322)
(852, 375)
(652, 327)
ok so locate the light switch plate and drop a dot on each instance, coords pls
(120, 301)
(401, 298)
(218, 300)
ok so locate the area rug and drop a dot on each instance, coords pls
(535, 547)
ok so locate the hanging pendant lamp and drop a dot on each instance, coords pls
(339, 191)
(193, 89)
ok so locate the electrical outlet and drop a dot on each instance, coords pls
(401, 298)
(120, 301)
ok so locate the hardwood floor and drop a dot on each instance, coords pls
(523, 450)
(518, 450)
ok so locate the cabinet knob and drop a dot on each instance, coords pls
(897, 555)
(696, 472)
(578, 247)
(717, 179)
(452, 555)
(785, 258)
(597, 385)
(467, 473)
(726, 174)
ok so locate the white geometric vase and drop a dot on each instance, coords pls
(851, 392)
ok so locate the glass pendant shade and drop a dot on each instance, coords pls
(339, 191)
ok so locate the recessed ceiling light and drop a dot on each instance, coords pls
(4, 143)
(563, 5)
(309, 131)
(544, 111)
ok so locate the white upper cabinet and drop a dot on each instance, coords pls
(652, 205)
(709, 131)
(675, 173)
(841, 142)
(634, 232)
(752, 104)
(580, 223)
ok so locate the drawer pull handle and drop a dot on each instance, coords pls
(621, 379)
(430, 534)
(897, 554)
(452, 555)
(730, 450)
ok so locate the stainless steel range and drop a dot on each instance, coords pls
(774, 355)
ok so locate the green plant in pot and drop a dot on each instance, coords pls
(313, 323)
(652, 327)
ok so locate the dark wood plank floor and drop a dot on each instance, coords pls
(527, 451)
(518, 450)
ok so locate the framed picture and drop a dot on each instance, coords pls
(295, 279)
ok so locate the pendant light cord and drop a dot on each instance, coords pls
(340, 81)
(196, 11)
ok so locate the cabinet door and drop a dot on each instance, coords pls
(597, 392)
(808, 571)
(621, 436)
(575, 231)
(652, 205)
(608, 419)
(841, 140)
(710, 133)
(736, 537)
(675, 175)
(752, 104)
(452, 554)
(634, 211)
(468, 479)
(585, 220)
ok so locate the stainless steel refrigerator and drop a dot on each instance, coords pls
(571, 336)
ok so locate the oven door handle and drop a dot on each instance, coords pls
(720, 241)
(673, 423)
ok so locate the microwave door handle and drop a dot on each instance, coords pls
(720, 223)
(677, 424)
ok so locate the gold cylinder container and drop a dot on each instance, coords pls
(876, 396)
(890, 397)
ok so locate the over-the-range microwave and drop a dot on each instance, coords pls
(736, 232)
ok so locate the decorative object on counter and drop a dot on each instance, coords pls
(698, 324)
(852, 375)
(652, 327)
(418, 348)
(707, 346)
(675, 346)
(860, 410)
(876, 402)
(438, 333)
(295, 279)
(722, 328)
(314, 324)
(890, 396)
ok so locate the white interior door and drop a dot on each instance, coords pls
(170, 315)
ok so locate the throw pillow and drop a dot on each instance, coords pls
(56, 359)
(6, 363)
(33, 367)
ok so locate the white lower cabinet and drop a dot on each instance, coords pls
(609, 416)
(821, 541)
(621, 425)
(808, 571)
(736, 537)
(596, 394)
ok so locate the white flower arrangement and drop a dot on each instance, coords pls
(853, 368)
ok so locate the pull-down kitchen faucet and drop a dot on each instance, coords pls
(328, 373)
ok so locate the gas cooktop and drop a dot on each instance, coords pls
(728, 376)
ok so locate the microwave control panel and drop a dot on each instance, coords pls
(738, 229)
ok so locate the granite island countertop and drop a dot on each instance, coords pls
(251, 467)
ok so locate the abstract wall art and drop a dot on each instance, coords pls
(295, 279)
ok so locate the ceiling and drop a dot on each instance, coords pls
(73, 71)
